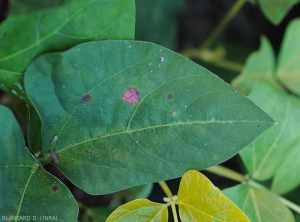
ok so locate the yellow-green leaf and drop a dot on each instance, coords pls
(200, 200)
(139, 210)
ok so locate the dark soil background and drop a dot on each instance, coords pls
(185, 25)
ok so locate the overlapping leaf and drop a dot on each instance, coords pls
(180, 115)
(200, 200)
(157, 21)
(24, 36)
(288, 67)
(259, 205)
(279, 147)
(139, 210)
(259, 66)
(276, 10)
(25, 188)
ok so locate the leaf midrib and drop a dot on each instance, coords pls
(164, 125)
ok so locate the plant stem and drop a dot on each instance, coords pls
(216, 32)
(174, 212)
(225, 172)
(290, 204)
(169, 194)
(213, 58)
(166, 189)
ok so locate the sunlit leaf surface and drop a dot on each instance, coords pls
(200, 200)
(141, 210)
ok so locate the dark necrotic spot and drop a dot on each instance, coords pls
(258, 126)
(131, 96)
(86, 98)
(54, 188)
(170, 96)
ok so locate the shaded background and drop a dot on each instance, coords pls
(180, 25)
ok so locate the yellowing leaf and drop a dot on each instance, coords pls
(139, 210)
(200, 200)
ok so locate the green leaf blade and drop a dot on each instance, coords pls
(141, 210)
(259, 66)
(186, 116)
(25, 36)
(276, 10)
(265, 155)
(259, 205)
(288, 62)
(199, 200)
(25, 188)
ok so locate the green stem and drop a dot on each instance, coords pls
(225, 172)
(231, 174)
(166, 189)
(290, 204)
(169, 194)
(213, 58)
(232, 12)
(174, 212)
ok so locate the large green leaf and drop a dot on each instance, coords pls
(275, 10)
(259, 205)
(266, 154)
(124, 113)
(288, 67)
(24, 36)
(200, 200)
(157, 21)
(26, 189)
(259, 66)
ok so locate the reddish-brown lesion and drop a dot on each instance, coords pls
(131, 96)
(86, 98)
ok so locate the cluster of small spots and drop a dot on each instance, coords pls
(131, 96)
(170, 96)
(91, 151)
(54, 188)
(85, 98)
